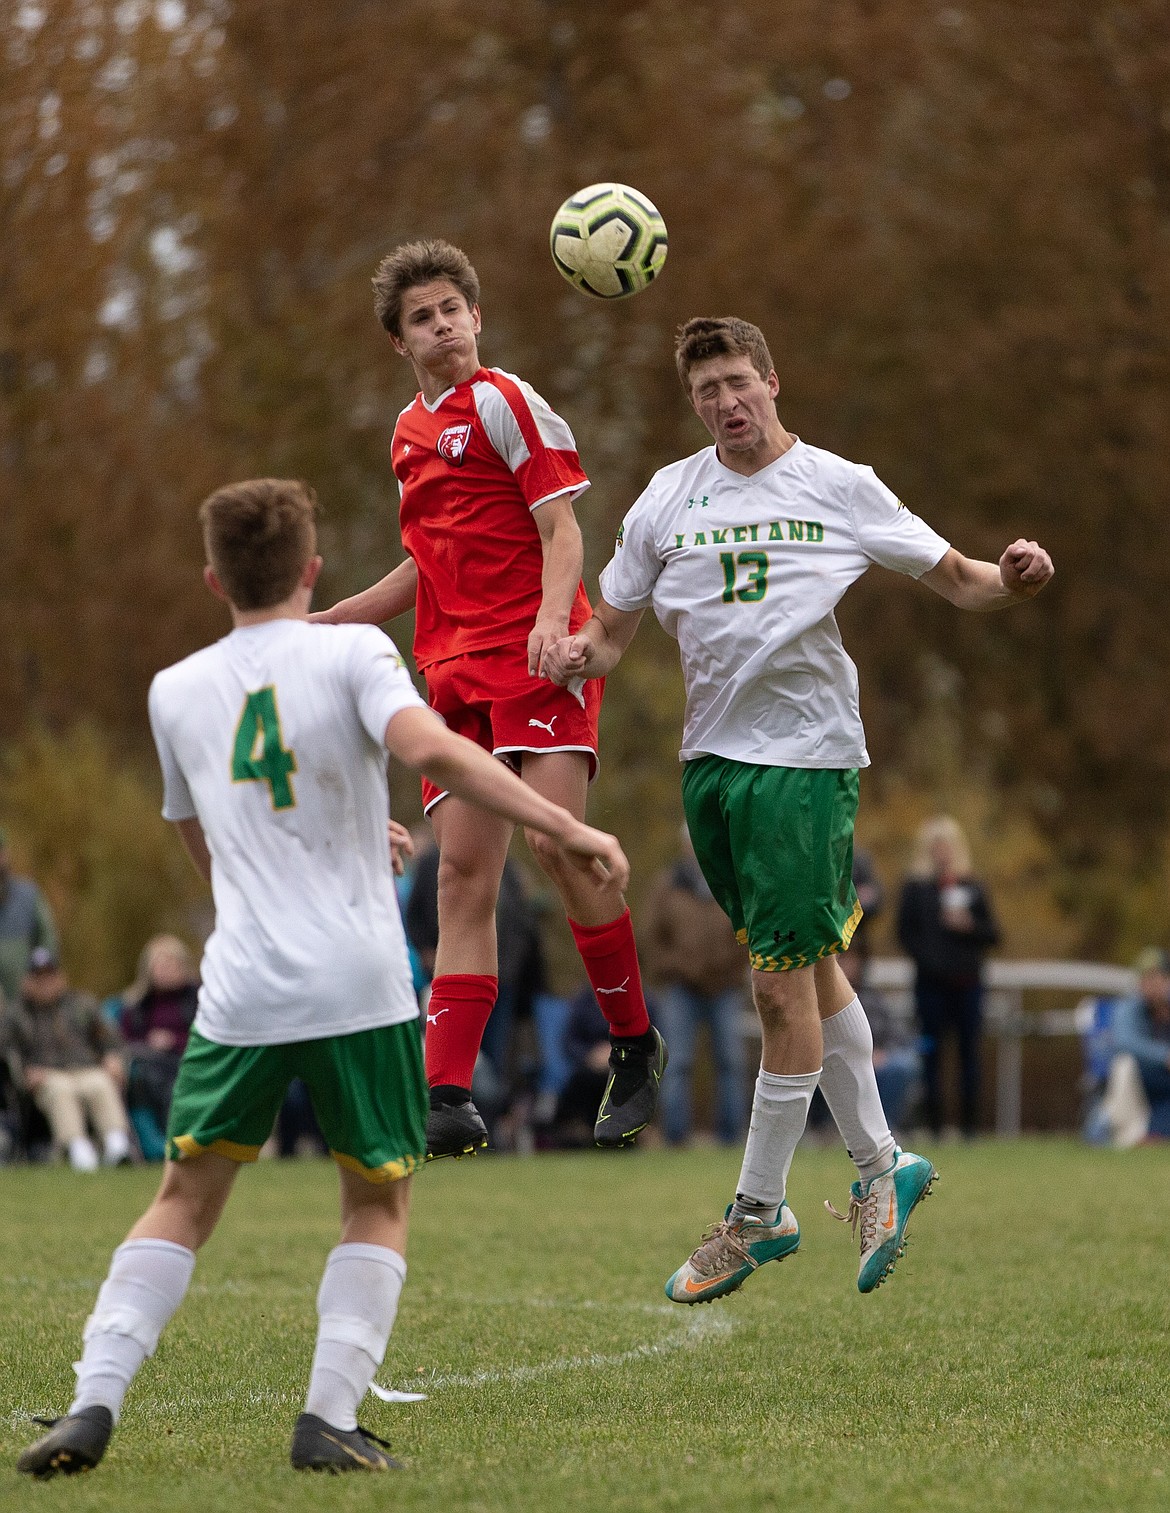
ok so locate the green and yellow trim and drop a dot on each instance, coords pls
(186, 1146)
(389, 1171)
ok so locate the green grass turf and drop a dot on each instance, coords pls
(1017, 1359)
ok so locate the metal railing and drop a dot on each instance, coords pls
(1005, 1017)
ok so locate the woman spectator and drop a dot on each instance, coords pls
(155, 1018)
(946, 925)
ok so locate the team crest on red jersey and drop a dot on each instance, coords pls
(452, 443)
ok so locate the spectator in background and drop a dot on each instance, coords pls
(945, 923)
(587, 1047)
(699, 972)
(155, 1017)
(70, 1066)
(25, 924)
(1138, 1094)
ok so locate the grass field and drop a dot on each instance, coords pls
(1018, 1359)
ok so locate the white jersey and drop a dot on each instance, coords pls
(745, 573)
(273, 739)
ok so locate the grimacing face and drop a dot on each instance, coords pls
(737, 406)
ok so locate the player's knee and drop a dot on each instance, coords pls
(465, 890)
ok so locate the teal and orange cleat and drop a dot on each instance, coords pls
(881, 1213)
(731, 1250)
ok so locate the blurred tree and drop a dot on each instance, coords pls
(952, 221)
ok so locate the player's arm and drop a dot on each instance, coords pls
(421, 740)
(564, 557)
(596, 648)
(193, 838)
(385, 600)
(1020, 573)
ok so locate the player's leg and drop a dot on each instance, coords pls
(369, 1094)
(147, 1280)
(604, 935)
(225, 1104)
(732, 811)
(472, 848)
(890, 1182)
(758, 1225)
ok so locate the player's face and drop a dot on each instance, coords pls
(439, 332)
(736, 405)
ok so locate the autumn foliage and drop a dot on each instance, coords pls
(952, 221)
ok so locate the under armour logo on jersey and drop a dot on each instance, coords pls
(453, 443)
(543, 726)
(620, 989)
(434, 1018)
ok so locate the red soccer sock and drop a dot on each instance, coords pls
(457, 1015)
(611, 964)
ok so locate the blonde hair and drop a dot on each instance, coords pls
(140, 987)
(943, 829)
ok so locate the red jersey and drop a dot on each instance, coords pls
(472, 468)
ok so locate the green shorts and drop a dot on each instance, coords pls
(776, 847)
(369, 1093)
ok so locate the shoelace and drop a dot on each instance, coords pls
(863, 1210)
(712, 1254)
(374, 1439)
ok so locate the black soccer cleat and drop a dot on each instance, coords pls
(631, 1094)
(318, 1446)
(454, 1129)
(74, 1443)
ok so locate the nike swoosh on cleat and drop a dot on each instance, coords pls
(889, 1224)
(349, 1450)
(690, 1287)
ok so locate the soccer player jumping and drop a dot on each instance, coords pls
(273, 747)
(743, 552)
(488, 475)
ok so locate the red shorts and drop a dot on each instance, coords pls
(489, 697)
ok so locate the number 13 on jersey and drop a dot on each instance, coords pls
(756, 586)
(259, 754)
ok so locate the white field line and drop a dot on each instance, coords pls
(697, 1329)
(691, 1330)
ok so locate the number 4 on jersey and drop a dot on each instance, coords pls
(259, 754)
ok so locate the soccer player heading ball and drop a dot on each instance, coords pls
(488, 474)
(743, 552)
(273, 748)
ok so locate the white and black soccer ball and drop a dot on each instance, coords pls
(608, 240)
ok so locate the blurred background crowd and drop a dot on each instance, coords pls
(90, 1080)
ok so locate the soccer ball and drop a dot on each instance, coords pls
(608, 240)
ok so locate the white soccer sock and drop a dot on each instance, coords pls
(779, 1114)
(851, 1091)
(356, 1305)
(146, 1283)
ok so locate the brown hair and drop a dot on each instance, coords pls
(419, 263)
(719, 336)
(258, 537)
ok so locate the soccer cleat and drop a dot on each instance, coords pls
(882, 1212)
(74, 1443)
(730, 1252)
(631, 1094)
(455, 1129)
(318, 1446)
